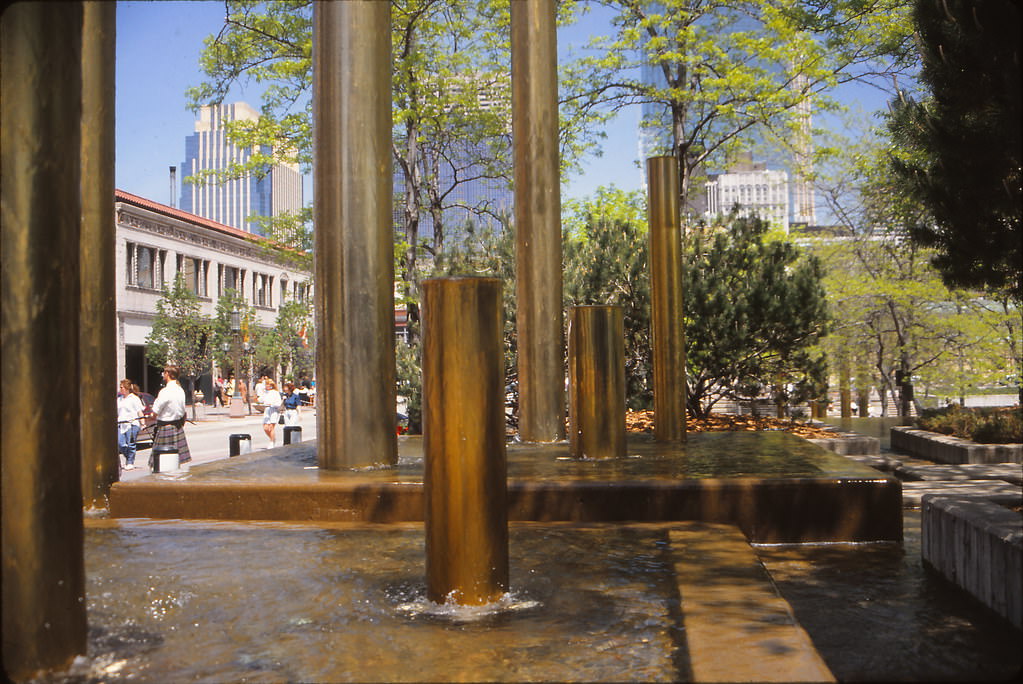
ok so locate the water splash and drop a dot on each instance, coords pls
(509, 602)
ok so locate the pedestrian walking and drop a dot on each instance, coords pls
(129, 409)
(271, 414)
(292, 400)
(169, 408)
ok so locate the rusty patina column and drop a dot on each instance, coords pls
(465, 463)
(669, 350)
(355, 370)
(537, 221)
(99, 309)
(596, 381)
(44, 624)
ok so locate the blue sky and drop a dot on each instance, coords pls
(158, 47)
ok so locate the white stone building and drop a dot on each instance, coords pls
(757, 190)
(155, 242)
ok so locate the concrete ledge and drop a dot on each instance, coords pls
(738, 628)
(914, 492)
(978, 545)
(947, 449)
(846, 443)
(767, 510)
(1006, 472)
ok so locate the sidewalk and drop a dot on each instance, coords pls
(209, 438)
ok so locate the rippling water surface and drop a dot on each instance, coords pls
(218, 602)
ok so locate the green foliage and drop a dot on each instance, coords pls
(224, 342)
(984, 425)
(754, 312)
(892, 310)
(180, 334)
(409, 366)
(730, 72)
(282, 345)
(959, 152)
(605, 253)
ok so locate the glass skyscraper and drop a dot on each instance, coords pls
(234, 202)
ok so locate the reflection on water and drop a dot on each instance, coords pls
(703, 455)
(876, 614)
(179, 601)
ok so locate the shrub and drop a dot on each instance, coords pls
(983, 425)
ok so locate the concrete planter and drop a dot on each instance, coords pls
(947, 449)
(978, 545)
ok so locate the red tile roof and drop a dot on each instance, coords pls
(128, 198)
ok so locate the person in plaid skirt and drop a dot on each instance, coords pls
(169, 408)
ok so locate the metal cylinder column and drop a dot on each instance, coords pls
(44, 621)
(669, 350)
(354, 241)
(99, 311)
(596, 381)
(465, 463)
(537, 220)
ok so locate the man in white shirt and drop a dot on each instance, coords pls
(169, 408)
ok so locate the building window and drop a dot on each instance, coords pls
(145, 266)
(262, 290)
(231, 278)
(194, 272)
(301, 291)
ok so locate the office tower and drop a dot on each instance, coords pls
(234, 202)
(803, 205)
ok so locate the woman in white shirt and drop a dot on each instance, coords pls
(129, 410)
(271, 414)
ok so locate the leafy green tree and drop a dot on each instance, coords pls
(893, 314)
(180, 334)
(726, 72)
(286, 345)
(223, 339)
(755, 312)
(960, 151)
(605, 253)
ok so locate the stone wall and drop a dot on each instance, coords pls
(978, 545)
(947, 449)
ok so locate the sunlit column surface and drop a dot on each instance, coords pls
(669, 350)
(99, 312)
(596, 381)
(354, 243)
(465, 462)
(44, 623)
(537, 221)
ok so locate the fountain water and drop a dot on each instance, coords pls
(160, 593)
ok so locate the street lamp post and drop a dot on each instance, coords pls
(237, 409)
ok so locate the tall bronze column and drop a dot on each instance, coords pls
(596, 381)
(669, 349)
(354, 268)
(43, 580)
(99, 310)
(537, 221)
(465, 463)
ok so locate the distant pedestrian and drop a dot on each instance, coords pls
(292, 400)
(271, 414)
(169, 408)
(218, 392)
(129, 409)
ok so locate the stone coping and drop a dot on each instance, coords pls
(1007, 472)
(977, 543)
(738, 627)
(913, 493)
(940, 448)
(776, 487)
